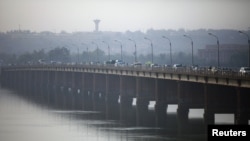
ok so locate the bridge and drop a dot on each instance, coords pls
(112, 89)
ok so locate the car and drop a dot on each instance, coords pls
(119, 63)
(155, 66)
(176, 66)
(110, 62)
(137, 64)
(244, 70)
(194, 67)
(167, 66)
(42, 61)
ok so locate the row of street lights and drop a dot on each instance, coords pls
(108, 48)
(248, 46)
(152, 55)
(218, 45)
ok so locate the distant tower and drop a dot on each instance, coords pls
(97, 25)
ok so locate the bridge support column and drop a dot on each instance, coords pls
(142, 112)
(87, 100)
(64, 90)
(183, 109)
(161, 113)
(126, 108)
(98, 99)
(182, 113)
(87, 91)
(59, 89)
(243, 113)
(48, 88)
(112, 106)
(143, 90)
(73, 92)
(161, 103)
(112, 96)
(78, 90)
(54, 89)
(208, 110)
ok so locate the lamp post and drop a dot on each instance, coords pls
(152, 53)
(77, 55)
(121, 47)
(87, 50)
(108, 48)
(248, 46)
(97, 50)
(135, 49)
(218, 44)
(170, 49)
(192, 44)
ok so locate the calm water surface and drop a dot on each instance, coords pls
(24, 120)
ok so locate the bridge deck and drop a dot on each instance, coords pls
(229, 78)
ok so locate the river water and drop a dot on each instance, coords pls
(24, 120)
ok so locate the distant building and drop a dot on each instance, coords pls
(210, 52)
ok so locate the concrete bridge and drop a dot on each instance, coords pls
(111, 90)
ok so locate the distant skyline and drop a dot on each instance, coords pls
(123, 15)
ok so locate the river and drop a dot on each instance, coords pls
(22, 119)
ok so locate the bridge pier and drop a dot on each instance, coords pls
(112, 96)
(142, 113)
(112, 106)
(165, 93)
(126, 114)
(183, 107)
(127, 92)
(99, 92)
(88, 89)
(79, 90)
(161, 113)
(219, 100)
(87, 100)
(145, 91)
(54, 88)
(98, 98)
(242, 115)
(208, 111)
(65, 91)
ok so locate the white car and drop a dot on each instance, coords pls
(137, 64)
(176, 66)
(245, 70)
(119, 63)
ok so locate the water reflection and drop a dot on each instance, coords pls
(26, 120)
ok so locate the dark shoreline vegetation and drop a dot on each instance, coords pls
(26, 47)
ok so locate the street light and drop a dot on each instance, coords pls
(97, 50)
(108, 48)
(121, 47)
(170, 49)
(248, 46)
(192, 44)
(87, 50)
(135, 49)
(77, 55)
(218, 44)
(152, 55)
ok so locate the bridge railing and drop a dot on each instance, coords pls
(184, 70)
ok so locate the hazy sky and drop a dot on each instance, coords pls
(123, 15)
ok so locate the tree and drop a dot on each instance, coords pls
(61, 54)
(26, 58)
